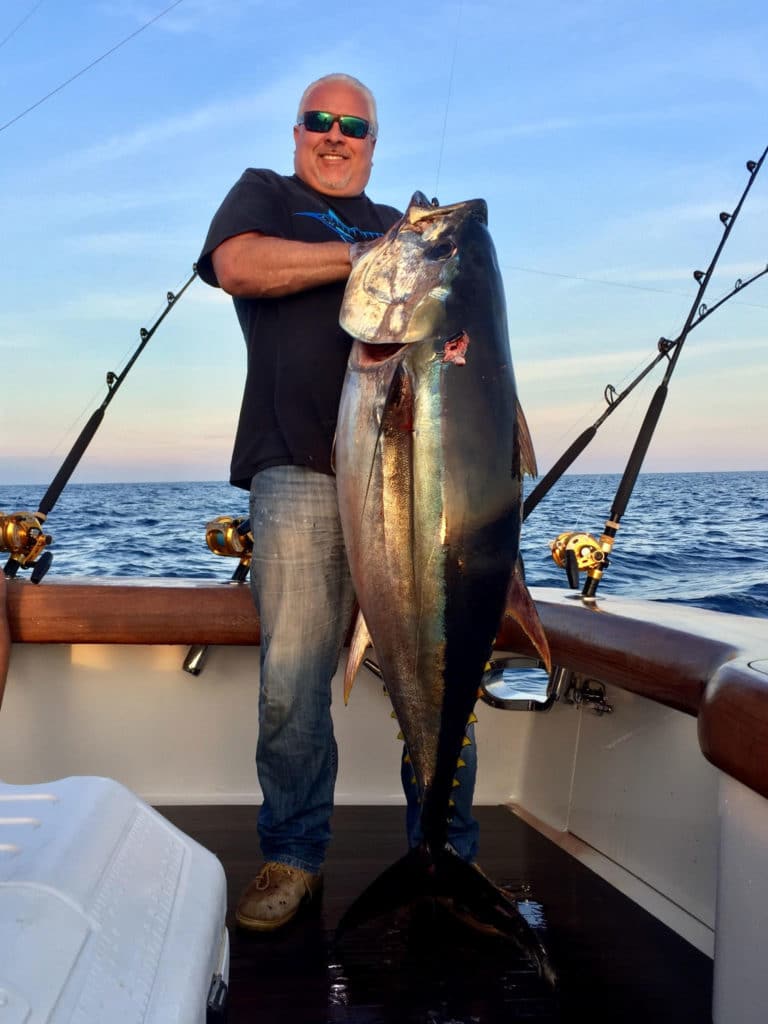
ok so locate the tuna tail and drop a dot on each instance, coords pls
(448, 879)
(475, 896)
(400, 885)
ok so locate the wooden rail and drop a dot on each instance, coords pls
(706, 664)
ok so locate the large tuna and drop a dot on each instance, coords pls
(431, 446)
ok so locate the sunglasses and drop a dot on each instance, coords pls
(349, 125)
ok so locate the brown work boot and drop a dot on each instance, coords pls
(275, 895)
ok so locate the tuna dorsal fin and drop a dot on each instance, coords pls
(523, 611)
(525, 445)
(358, 645)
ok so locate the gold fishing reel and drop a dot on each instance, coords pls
(230, 537)
(577, 552)
(22, 535)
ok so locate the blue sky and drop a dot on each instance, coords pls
(606, 138)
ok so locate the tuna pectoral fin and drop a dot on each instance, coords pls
(473, 895)
(523, 611)
(527, 455)
(358, 645)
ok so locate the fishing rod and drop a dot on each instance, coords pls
(22, 533)
(580, 551)
(614, 399)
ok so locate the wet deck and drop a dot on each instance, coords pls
(615, 961)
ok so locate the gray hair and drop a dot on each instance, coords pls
(354, 83)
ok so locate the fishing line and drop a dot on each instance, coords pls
(612, 284)
(19, 24)
(448, 97)
(88, 67)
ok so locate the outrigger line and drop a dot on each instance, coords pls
(22, 533)
(575, 551)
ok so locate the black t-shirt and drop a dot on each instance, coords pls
(297, 352)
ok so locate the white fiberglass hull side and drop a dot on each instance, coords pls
(631, 795)
(741, 980)
(131, 713)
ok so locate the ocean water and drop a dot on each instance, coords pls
(695, 538)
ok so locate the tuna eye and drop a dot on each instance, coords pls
(442, 251)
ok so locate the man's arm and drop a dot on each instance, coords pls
(256, 266)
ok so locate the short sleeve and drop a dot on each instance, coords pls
(254, 203)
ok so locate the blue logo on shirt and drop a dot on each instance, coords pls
(346, 232)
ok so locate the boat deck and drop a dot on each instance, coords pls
(615, 961)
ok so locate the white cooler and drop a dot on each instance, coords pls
(108, 913)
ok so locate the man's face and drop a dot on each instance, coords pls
(330, 162)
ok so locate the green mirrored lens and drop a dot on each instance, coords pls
(356, 127)
(318, 121)
(349, 125)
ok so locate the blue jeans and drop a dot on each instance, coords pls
(463, 829)
(303, 591)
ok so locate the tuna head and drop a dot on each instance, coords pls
(398, 289)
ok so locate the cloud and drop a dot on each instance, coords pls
(191, 16)
(68, 206)
(127, 144)
(133, 242)
(265, 107)
(578, 366)
(667, 221)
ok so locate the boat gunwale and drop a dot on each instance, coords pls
(694, 660)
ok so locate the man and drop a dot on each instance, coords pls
(280, 246)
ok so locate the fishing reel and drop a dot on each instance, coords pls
(22, 535)
(231, 538)
(578, 552)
